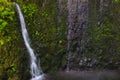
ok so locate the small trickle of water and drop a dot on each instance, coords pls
(35, 69)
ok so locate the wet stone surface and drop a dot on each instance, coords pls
(84, 75)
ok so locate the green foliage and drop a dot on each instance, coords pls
(6, 14)
(1, 42)
(103, 40)
(9, 40)
(117, 1)
(30, 10)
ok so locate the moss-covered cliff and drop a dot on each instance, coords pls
(46, 22)
(11, 44)
(41, 21)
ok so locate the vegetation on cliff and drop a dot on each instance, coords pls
(47, 25)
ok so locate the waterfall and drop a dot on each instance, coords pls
(35, 69)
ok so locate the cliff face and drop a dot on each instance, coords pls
(77, 23)
(41, 17)
(51, 36)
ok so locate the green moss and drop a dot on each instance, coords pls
(10, 43)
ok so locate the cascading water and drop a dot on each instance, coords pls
(35, 69)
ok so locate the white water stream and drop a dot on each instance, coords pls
(35, 69)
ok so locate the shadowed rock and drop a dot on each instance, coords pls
(84, 75)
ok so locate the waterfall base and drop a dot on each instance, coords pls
(40, 77)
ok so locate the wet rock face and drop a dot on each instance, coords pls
(77, 23)
(77, 18)
(85, 75)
